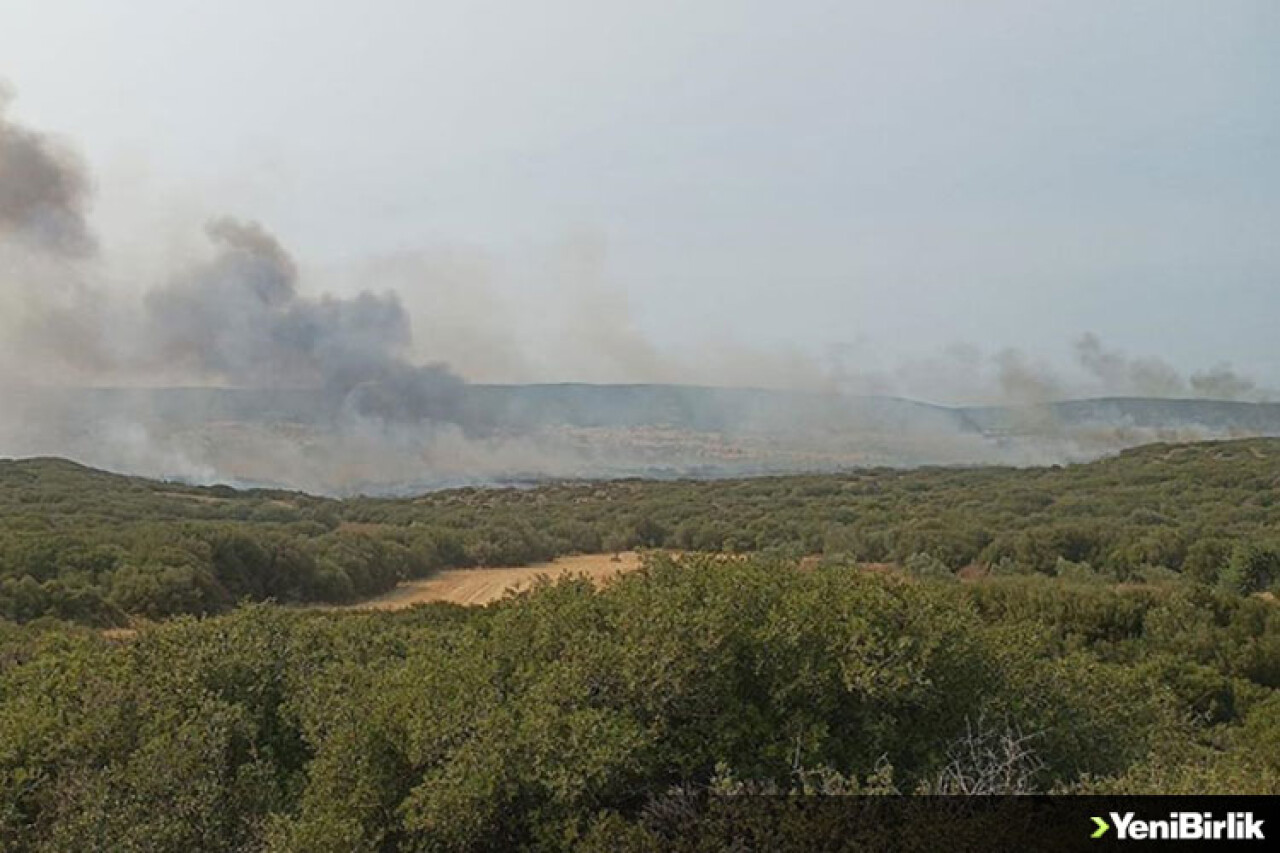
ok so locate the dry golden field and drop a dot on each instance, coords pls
(481, 586)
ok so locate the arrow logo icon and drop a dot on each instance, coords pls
(1103, 826)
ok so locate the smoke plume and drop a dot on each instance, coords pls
(281, 386)
(1120, 374)
(1223, 383)
(1149, 377)
(43, 189)
(238, 319)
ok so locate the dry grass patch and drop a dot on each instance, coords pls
(481, 586)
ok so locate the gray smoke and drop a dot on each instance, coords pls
(1223, 383)
(1121, 374)
(1022, 381)
(239, 319)
(43, 189)
(326, 393)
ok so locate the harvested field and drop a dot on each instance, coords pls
(481, 586)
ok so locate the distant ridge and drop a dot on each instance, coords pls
(313, 439)
(683, 406)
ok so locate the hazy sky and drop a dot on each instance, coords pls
(888, 178)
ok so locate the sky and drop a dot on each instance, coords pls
(856, 185)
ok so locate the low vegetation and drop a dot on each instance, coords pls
(82, 545)
(1094, 629)
(576, 717)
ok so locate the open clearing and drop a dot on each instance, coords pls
(481, 586)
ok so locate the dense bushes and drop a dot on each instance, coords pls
(80, 544)
(566, 717)
(163, 573)
(1253, 567)
(1116, 638)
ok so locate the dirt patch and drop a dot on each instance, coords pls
(481, 586)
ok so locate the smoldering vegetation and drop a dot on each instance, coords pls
(308, 439)
(230, 368)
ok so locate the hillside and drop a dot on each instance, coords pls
(87, 545)
(1103, 628)
(322, 442)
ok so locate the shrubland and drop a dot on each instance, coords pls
(1104, 628)
(86, 546)
(575, 717)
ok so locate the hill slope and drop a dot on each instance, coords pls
(312, 440)
(91, 546)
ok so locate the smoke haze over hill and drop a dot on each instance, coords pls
(332, 397)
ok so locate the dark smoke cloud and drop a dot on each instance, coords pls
(43, 189)
(239, 319)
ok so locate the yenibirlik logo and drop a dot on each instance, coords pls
(1183, 826)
